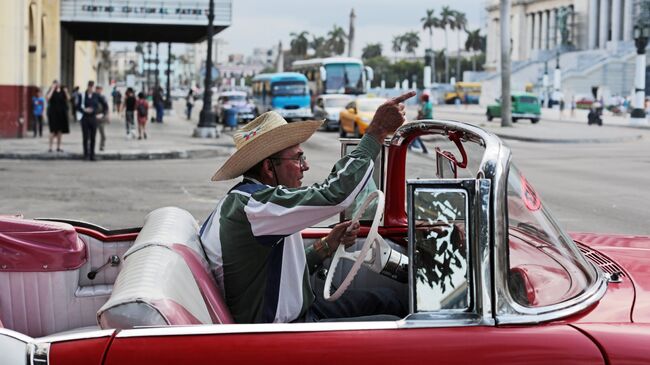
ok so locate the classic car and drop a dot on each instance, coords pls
(489, 275)
(524, 106)
(329, 106)
(237, 101)
(357, 115)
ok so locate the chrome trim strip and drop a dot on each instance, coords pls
(259, 328)
(17, 335)
(74, 336)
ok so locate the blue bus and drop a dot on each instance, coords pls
(286, 93)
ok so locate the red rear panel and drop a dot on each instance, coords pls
(82, 352)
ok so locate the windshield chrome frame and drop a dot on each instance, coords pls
(493, 288)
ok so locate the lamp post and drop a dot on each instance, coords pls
(557, 80)
(207, 126)
(149, 66)
(168, 99)
(641, 35)
(157, 61)
(545, 84)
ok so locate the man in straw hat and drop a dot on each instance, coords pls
(252, 238)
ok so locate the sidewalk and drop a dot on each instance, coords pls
(550, 129)
(168, 140)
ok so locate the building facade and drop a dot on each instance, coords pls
(540, 26)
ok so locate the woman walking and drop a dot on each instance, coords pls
(57, 114)
(129, 106)
(142, 109)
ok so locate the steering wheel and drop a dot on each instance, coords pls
(372, 259)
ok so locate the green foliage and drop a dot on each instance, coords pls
(299, 43)
(371, 50)
(336, 40)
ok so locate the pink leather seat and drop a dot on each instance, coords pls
(165, 278)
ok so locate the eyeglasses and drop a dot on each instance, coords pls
(302, 159)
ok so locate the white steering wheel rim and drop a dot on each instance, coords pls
(358, 256)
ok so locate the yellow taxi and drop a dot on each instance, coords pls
(357, 115)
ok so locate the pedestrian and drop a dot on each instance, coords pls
(573, 106)
(88, 108)
(117, 99)
(57, 114)
(129, 107)
(102, 117)
(425, 112)
(189, 104)
(158, 103)
(561, 108)
(594, 116)
(142, 110)
(38, 106)
(76, 104)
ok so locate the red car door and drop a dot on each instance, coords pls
(360, 343)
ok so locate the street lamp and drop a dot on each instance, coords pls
(641, 35)
(168, 99)
(207, 126)
(149, 66)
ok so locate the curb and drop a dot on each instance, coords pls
(121, 156)
(565, 140)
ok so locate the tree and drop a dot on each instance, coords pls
(460, 22)
(319, 45)
(446, 20)
(336, 40)
(371, 50)
(411, 42)
(504, 15)
(430, 22)
(299, 44)
(397, 45)
(474, 42)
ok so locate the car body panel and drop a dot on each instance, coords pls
(331, 114)
(351, 118)
(81, 352)
(524, 106)
(488, 345)
(622, 343)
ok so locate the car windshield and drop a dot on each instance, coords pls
(369, 105)
(344, 78)
(546, 266)
(336, 102)
(229, 98)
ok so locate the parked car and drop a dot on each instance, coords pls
(329, 107)
(238, 100)
(524, 106)
(357, 115)
(489, 274)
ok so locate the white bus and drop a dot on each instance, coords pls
(335, 75)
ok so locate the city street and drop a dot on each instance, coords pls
(598, 187)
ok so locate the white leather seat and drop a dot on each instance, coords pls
(165, 279)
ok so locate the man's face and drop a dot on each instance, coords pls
(288, 167)
(99, 90)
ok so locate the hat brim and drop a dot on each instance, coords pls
(264, 146)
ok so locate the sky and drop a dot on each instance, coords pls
(259, 23)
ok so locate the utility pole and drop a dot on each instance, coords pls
(641, 35)
(207, 126)
(148, 67)
(157, 61)
(168, 98)
(506, 103)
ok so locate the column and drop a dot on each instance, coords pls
(543, 43)
(616, 21)
(531, 31)
(552, 28)
(603, 27)
(627, 20)
(535, 36)
(593, 24)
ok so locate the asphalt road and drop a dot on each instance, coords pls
(588, 187)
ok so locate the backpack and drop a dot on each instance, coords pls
(142, 109)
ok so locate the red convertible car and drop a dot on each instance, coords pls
(489, 275)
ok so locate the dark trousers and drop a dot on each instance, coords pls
(38, 125)
(355, 304)
(88, 132)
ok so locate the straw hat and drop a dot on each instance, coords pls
(267, 134)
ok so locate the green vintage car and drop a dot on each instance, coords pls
(524, 106)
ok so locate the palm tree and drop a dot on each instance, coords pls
(411, 42)
(397, 45)
(299, 43)
(460, 22)
(371, 50)
(319, 45)
(446, 19)
(336, 40)
(430, 22)
(474, 42)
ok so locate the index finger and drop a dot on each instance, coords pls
(401, 98)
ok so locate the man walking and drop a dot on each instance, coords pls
(102, 117)
(88, 108)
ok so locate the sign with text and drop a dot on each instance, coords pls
(172, 12)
